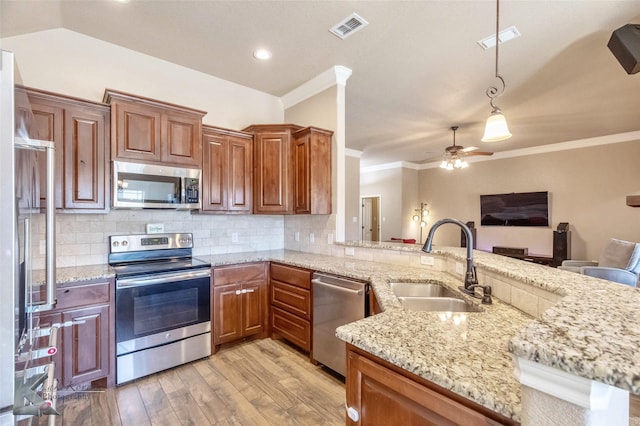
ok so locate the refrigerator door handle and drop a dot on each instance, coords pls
(50, 219)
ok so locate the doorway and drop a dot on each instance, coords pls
(370, 218)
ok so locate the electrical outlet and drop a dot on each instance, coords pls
(427, 260)
(234, 237)
(312, 238)
(155, 228)
(349, 251)
(459, 269)
(296, 236)
(355, 219)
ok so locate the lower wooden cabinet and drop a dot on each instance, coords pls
(86, 345)
(239, 303)
(85, 348)
(379, 393)
(291, 304)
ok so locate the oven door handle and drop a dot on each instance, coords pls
(162, 278)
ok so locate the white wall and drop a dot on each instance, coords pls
(73, 64)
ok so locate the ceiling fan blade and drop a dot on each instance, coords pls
(469, 149)
(478, 153)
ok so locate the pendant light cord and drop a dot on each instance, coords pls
(493, 91)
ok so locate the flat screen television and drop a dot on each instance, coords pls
(515, 209)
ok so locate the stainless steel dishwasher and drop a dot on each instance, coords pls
(336, 301)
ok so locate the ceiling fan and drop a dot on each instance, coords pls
(453, 154)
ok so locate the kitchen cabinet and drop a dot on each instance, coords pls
(150, 131)
(85, 346)
(312, 152)
(291, 304)
(80, 131)
(291, 169)
(382, 394)
(227, 161)
(239, 303)
(272, 168)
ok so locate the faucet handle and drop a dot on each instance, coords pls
(486, 295)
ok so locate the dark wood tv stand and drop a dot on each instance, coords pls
(561, 249)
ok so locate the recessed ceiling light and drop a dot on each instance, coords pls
(262, 54)
(504, 36)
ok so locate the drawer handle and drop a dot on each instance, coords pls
(244, 290)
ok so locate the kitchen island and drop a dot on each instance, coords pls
(573, 323)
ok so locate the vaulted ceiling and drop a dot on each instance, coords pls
(417, 69)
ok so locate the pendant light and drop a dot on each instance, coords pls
(496, 128)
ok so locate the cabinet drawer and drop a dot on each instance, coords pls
(293, 276)
(239, 273)
(81, 295)
(292, 299)
(291, 327)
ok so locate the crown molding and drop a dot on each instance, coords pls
(353, 153)
(544, 149)
(336, 75)
(388, 166)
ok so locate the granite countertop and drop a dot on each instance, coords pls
(590, 332)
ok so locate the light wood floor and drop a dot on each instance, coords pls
(263, 382)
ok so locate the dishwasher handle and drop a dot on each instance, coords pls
(319, 281)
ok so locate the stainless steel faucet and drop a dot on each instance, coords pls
(470, 278)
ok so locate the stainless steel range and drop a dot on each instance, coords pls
(163, 303)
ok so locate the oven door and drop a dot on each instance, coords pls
(156, 309)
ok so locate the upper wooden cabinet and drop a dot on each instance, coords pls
(80, 131)
(227, 157)
(312, 151)
(150, 131)
(284, 180)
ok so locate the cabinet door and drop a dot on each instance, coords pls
(137, 132)
(312, 171)
(49, 126)
(86, 345)
(85, 153)
(384, 397)
(214, 173)
(181, 139)
(302, 149)
(254, 307)
(239, 186)
(271, 173)
(226, 307)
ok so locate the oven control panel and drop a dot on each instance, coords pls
(142, 242)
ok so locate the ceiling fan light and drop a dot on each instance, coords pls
(444, 164)
(449, 166)
(496, 128)
(464, 164)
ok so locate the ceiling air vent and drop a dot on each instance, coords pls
(348, 26)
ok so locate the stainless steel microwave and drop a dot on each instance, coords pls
(138, 185)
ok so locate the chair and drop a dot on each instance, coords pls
(619, 262)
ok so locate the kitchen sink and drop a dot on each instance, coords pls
(422, 296)
(407, 289)
(437, 304)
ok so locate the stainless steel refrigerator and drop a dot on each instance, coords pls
(27, 387)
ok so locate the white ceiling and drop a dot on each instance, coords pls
(417, 69)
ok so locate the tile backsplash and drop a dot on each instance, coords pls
(82, 239)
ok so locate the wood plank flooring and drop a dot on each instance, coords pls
(262, 382)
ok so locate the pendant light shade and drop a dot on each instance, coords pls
(496, 128)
